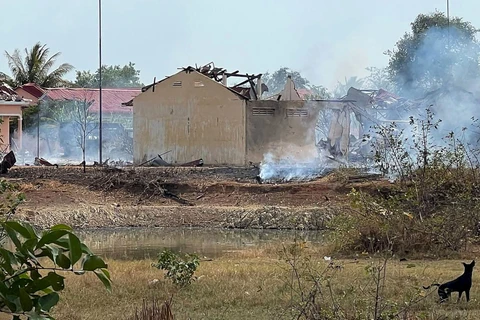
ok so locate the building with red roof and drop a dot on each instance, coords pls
(112, 98)
(11, 107)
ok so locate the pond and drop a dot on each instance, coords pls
(146, 243)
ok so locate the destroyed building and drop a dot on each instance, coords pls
(195, 114)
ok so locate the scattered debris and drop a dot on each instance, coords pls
(8, 162)
(158, 161)
(158, 155)
(43, 162)
(168, 194)
(194, 163)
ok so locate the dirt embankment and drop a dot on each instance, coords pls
(195, 197)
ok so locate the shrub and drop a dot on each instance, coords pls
(180, 269)
(432, 207)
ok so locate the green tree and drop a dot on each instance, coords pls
(36, 67)
(112, 77)
(438, 51)
(276, 82)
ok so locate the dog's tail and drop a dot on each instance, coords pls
(432, 285)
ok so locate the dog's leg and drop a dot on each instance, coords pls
(467, 294)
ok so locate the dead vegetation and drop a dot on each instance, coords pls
(154, 311)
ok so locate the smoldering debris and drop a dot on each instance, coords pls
(287, 169)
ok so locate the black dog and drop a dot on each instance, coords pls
(460, 285)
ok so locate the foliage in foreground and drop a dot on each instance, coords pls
(433, 207)
(31, 273)
(179, 269)
(30, 276)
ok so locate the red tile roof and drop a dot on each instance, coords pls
(112, 99)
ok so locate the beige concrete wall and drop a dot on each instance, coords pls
(193, 116)
(281, 128)
(5, 134)
(8, 111)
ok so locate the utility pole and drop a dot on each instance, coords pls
(448, 24)
(100, 80)
(448, 12)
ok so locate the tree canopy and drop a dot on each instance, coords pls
(114, 76)
(342, 88)
(36, 67)
(436, 52)
(276, 82)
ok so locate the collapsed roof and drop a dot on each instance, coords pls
(251, 85)
(8, 95)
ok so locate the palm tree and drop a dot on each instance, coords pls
(36, 66)
(342, 88)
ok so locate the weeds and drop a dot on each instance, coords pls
(154, 311)
(321, 290)
(433, 207)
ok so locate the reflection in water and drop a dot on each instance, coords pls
(146, 243)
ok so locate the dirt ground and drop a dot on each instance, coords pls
(213, 197)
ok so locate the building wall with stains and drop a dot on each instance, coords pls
(281, 128)
(191, 116)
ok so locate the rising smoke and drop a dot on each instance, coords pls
(62, 131)
(443, 77)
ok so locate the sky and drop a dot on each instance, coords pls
(325, 41)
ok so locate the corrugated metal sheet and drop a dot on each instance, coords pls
(112, 99)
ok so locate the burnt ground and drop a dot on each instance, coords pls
(202, 197)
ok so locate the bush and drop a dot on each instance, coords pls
(432, 207)
(179, 269)
(312, 291)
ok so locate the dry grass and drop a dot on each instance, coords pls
(251, 285)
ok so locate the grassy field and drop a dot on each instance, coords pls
(257, 284)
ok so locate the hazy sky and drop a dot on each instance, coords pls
(324, 40)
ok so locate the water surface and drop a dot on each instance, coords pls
(146, 243)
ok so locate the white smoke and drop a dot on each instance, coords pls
(291, 168)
